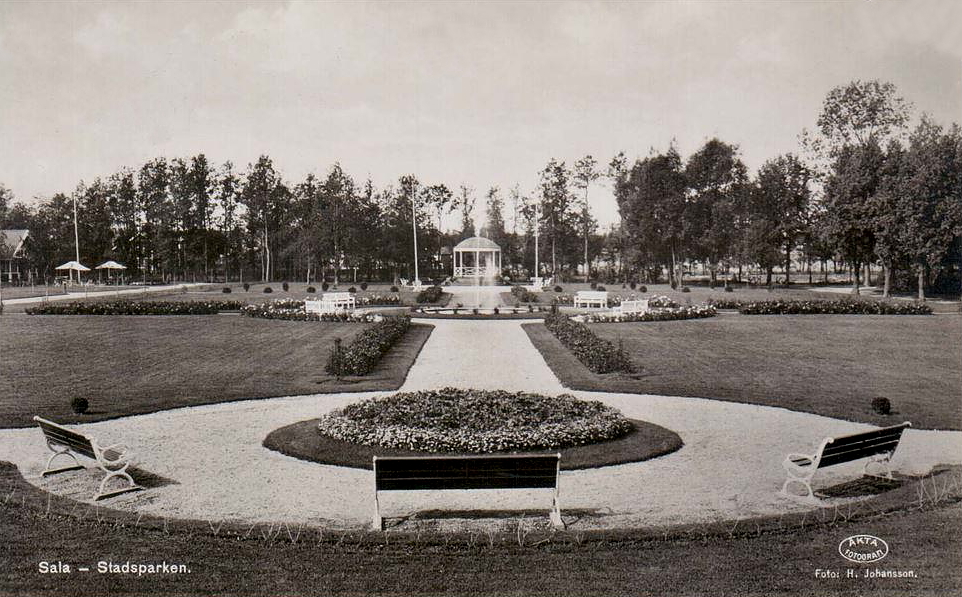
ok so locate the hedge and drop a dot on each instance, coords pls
(361, 356)
(598, 355)
(137, 308)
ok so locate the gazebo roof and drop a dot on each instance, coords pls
(477, 242)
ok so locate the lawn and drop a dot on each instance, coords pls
(831, 365)
(743, 561)
(133, 365)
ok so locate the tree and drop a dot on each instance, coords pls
(266, 198)
(859, 112)
(586, 172)
(651, 202)
(928, 197)
(556, 210)
(849, 210)
(494, 223)
(464, 203)
(717, 186)
(778, 212)
(441, 199)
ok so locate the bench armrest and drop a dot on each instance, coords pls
(799, 460)
(116, 453)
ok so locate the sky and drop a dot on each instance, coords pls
(475, 93)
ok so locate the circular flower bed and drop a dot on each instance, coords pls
(474, 421)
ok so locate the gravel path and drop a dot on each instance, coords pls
(207, 462)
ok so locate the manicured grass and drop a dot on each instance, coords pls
(745, 560)
(140, 364)
(831, 365)
(303, 440)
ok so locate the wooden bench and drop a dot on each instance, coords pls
(877, 445)
(521, 471)
(640, 306)
(591, 298)
(112, 460)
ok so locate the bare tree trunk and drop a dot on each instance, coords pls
(921, 282)
(887, 273)
(788, 266)
(856, 269)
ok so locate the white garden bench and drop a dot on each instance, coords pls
(330, 302)
(112, 460)
(591, 298)
(878, 446)
(640, 306)
(500, 471)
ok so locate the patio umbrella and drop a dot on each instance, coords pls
(109, 265)
(74, 266)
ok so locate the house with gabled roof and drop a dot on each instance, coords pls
(12, 253)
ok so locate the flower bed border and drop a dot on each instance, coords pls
(127, 307)
(454, 420)
(823, 307)
(680, 313)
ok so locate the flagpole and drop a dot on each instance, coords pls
(76, 236)
(414, 227)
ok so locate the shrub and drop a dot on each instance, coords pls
(594, 285)
(362, 355)
(711, 284)
(558, 289)
(600, 288)
(394, 289)
(268, 290)
(352, 290)
(137, 308)
(459, 420)
(685, 289)
(247, 286)
(524, 295)
(729, 288)
(633, 284)
(496, 310)
(642, 288)
(429, 295)
(311, 290)
(834, 307)
(225, 290)
(285, 286)
(598, 355)
(79, 405)
(881, 405)
(324, 286)
(363, 285)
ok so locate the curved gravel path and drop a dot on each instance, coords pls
(207, 462)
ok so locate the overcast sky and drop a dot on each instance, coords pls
(477, 93)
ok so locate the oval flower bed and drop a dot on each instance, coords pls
(474, 421)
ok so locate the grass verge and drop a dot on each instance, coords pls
(749, 558)
(831, 365)
(136, 365)
(303, 440)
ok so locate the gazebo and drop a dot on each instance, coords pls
(477, 257)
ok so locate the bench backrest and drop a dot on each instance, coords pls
(861, 445)
(522, 471)
(62, 436)
(593, 294)
(336, 296)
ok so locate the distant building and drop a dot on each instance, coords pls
(11, 253)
